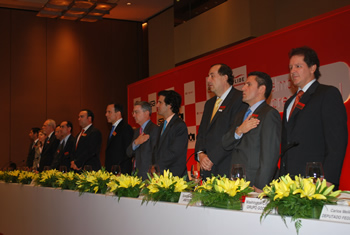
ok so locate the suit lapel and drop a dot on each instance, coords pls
(221, 109)
(116, 130)
(171, 123)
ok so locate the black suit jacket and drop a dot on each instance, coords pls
(88, 150)
(31, 154)
(171, 149)
(258, 150)
(143, 154)
(316, 132)
(210, 133)
(64, 157)
(116, 148)
(48, 152)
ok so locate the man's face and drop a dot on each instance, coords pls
(47, 128)
(111, 115)
(139, 115)
(216, 82)
(163, 108)
(58, 133)
(64, 129)
(251, 92)
(83, 119)
(31, 135)
(300, 73)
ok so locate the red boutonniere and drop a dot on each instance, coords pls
(84, 134)
(48, 141)
(114, 133)
(221, 108)
(58, 151)
(254, 115)
(66, 153)
(300, 105)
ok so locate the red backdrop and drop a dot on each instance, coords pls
(328, 34)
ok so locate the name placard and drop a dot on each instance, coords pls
(336, 213)
(185, 198)
(255, 205)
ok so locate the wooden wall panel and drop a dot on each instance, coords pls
(5, 68)
(28, 79)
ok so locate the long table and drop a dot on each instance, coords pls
(26, 209)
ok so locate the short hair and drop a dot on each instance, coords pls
(225, 70)
(89, 114)
(145, 106)
(172, 98)
(117, 108)
(52, 123)
(263, 79)
(70, 124)
(310, 58)
(35, 130)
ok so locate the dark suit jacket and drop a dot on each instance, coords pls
(116, 148)
(143, 154)
(64, 157)
(258, 150)
(31, 154)
(171, 149)
(88, 150)
(48, 152)
(210, 133)
(315, 133)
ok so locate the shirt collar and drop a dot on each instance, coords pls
(307, 86)
(256, 105)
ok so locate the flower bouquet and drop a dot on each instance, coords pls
(299, 198)
(165, 187)
(125, 185)
(10, 176)
(221, 192)
(48, 178)
(93, 182)
(68, 180)
(26, 177)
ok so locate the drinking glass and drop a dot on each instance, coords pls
(195, 173)
(237, 171)
(87, 168)
(315, 170)
(63, 169)
(115, 169)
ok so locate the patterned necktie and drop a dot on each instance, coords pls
(164, 126)
(247, 114)
(297, 98)
(141, 130)
(216, 107)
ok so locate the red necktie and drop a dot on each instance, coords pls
(82, 132)
(297, 98)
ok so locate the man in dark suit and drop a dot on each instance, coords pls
(144, 140)
(33, 135)
(118, 140)
(171, 149)
(66, 148)
(315, 129)
(50, 144)
(218, 114)
(88, 143)
(256, 132)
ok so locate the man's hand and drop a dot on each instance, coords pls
(141, 139)
(73, 166)
(247, 125)
(205, 162)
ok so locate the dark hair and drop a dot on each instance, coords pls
(145, 106)
(89, 114)
(70, 124)
(117, 108)
(35, 130)
(225, 70)
(310, 58)
(263, 79)
(172, 98)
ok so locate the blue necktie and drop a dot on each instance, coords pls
(164, 126)
(110, 134)
(246, 114)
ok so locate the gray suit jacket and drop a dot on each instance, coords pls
(210, 133)
(259, 148)
(171, 149)
(143, 154)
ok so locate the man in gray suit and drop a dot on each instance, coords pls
(171, 149)
(144, 140)
(255, 134)
(218, 114)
